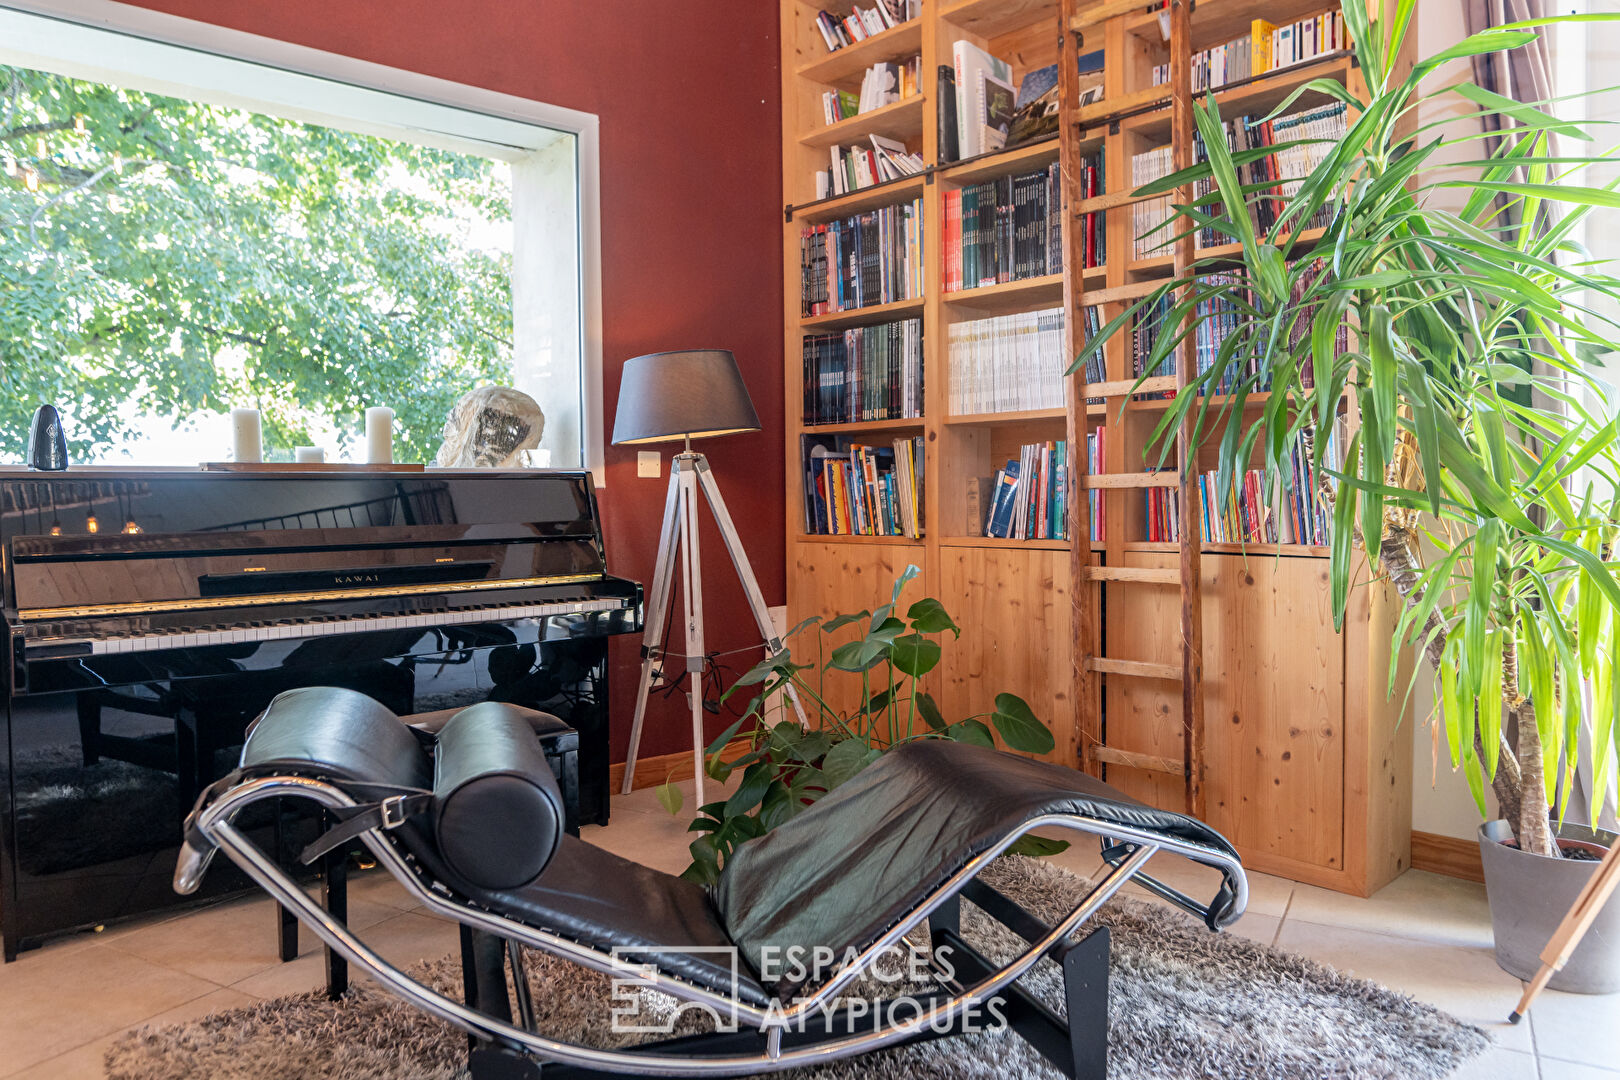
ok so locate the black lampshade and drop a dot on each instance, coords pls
(686, 393)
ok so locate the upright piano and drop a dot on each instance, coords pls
(151, 614)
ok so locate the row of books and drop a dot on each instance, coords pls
(1291, 511)
(884, 83)
(868, 373)
(1265, 48)
(982, 100)
(1007, 363)
(1094, 225)
(855, 167)
(871, 258)
(1220, 315)
(1149, 237)
(1002, 230)
(856, 489)
(1313, 132)
(839, 31)
(1027, 499)
(978, 113)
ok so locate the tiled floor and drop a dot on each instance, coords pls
(1430, 936)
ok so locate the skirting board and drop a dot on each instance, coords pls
(1447, 855)
(652, 771)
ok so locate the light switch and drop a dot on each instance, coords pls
(648, 463)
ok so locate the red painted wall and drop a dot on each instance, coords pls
(689, 100)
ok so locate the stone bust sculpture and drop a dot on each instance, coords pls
(490, 427)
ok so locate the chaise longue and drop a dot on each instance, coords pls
(471, 823)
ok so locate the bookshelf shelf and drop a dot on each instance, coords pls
(1003, 544)
(1211, 548)
(858, 426)
(1160, 263)
(865, 541)
(994, 18)
(1010, 296)
(851, 62)
(863, 316)
(1260, 94)
(1032, 155)
(1024, 416)
(903, 120)
(839, 206)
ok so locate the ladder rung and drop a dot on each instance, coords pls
(1147, 575)
(1109, 756)
(1124, 387)
(1165, 479)
(1139, 668)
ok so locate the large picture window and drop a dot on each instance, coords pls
(182, 233)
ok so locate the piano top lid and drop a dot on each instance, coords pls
(95, 502)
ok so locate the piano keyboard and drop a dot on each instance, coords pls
(196, 638)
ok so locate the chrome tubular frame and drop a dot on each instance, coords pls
(215, 823)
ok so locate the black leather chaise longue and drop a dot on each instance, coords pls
(471, 823)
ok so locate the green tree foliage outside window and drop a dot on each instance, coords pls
(161, 257)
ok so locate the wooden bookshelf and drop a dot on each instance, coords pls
(1305, 769)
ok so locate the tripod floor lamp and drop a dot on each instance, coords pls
(685, 395)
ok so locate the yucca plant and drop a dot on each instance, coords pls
(1482, 477)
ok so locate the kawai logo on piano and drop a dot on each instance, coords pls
(355, 579)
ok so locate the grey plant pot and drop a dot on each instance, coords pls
(1529, 896)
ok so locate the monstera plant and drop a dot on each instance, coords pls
(1481, 476)
(786, 765)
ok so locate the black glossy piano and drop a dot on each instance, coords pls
(151, 614)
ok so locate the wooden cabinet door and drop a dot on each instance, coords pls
(1014, 610)
(1274, 702)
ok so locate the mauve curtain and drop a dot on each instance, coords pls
(1525, 74)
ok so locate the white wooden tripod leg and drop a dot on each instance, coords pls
(657, 610)
(745, 572)
(692, 590)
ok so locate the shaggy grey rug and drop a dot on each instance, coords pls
(1184, 1003)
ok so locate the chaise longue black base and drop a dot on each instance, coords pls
(471, 823)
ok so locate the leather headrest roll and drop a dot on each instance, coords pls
(497, 813)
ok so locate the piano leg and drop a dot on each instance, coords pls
(89, 728)
(335, 893)
(286, 923)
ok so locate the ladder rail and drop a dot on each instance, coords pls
(1090, 575)
(1192, 621)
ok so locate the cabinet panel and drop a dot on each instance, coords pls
(1014, 610)
(1274, 686)
(836, 578)
(1274, 707)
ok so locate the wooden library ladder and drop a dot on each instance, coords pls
(1101, 24)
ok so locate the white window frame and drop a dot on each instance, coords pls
(290, 87)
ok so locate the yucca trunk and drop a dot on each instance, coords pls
(1518, 770)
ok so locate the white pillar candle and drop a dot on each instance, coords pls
(246, 440)
(309, 455)
(379, 435)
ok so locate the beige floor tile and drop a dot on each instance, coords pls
(1499, 1063)
(228, 942)
(1465, 982)
(1583, 1028)
(1556, 1069)
(402, 940)
(1417, 904)
(87, 1062)
(1261, 928)
(52, 1004)
(379, 887)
